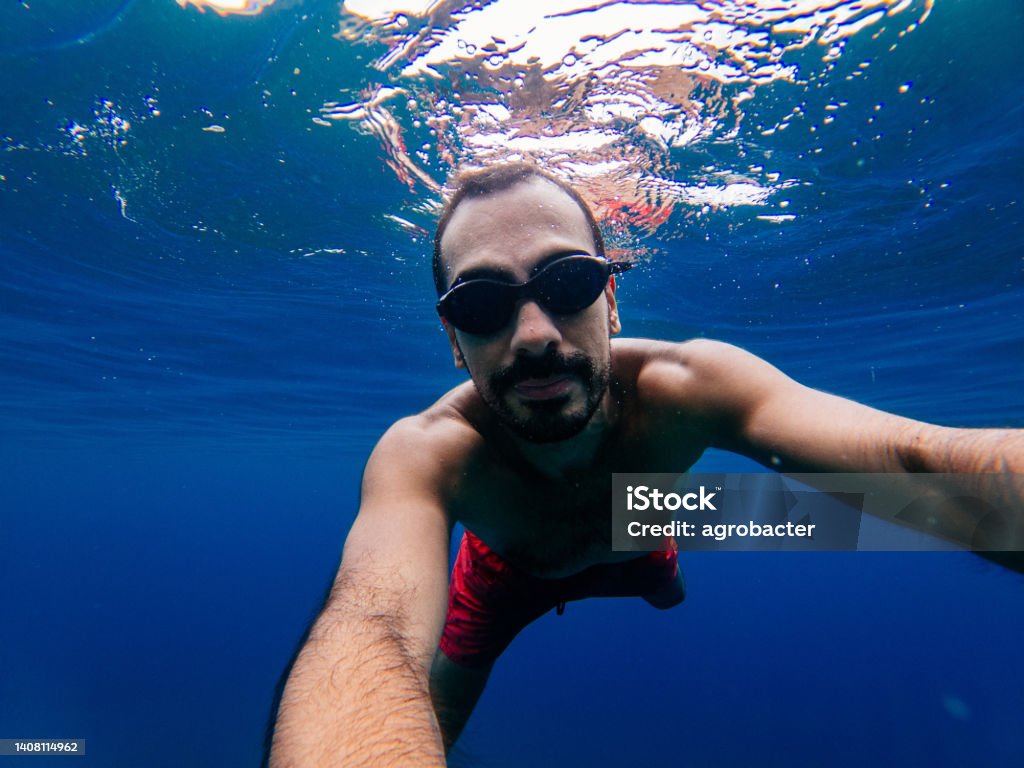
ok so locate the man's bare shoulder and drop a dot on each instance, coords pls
(709, 380)
(664, 367)
(432, 446)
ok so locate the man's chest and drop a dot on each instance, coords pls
(547, 528)
(556, 526)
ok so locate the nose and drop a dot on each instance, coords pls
(535, 331)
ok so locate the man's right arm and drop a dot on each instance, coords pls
(358, 694)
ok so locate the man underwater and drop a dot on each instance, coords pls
(523, 456)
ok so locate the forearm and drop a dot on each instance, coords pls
(980, 472)
(963, 451)
(356, 697)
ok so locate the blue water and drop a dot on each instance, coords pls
(203, 333)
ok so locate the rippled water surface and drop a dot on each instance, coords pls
(215, 223)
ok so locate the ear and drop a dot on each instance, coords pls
(460, 361)
(614, 326)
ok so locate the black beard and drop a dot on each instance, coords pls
(547, 423)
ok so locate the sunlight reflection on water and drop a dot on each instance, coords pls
(606, 95)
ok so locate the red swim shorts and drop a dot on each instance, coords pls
(489, 601)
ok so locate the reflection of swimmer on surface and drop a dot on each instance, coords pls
(523, 457)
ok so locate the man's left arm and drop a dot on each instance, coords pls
(750, 407)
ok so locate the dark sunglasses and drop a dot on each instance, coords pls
(564, 287)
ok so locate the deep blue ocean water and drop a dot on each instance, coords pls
(203, 333)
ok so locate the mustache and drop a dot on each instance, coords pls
(549, 364)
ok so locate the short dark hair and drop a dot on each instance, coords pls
(481, 182)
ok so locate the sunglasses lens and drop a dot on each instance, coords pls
(572, 284)
(479, 306)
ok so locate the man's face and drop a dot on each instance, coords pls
(543, 374)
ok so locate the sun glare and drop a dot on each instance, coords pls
(229, 7)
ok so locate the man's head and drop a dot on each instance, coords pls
(544, 372)
(490, 181)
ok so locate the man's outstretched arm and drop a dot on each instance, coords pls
(750, 407)
(358, 693)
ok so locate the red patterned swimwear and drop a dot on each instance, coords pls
(490, 601)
